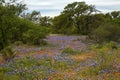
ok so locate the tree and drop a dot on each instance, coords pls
(62, 24)
(114, 17)
(17, 7)
(13, 27)
(9, 12)
(34, 16)
(35, 35)
(74, 14)
(76, 10)
(115, 14)
(45, 21)
(107, 32)
(7, 19)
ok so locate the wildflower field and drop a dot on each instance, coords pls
(63, 58)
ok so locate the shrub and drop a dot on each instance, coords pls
(18, 43)
(43, 42)
(34, 35)
(69, 50)
(107, 32)
(105, 60)
(8, 53)
(107, 45)
(111, 45)
(95, 46)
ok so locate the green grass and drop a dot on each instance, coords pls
(70, 51)
(29, 68)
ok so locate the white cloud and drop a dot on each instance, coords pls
(105, 3)
(54, 7)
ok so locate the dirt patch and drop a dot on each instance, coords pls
(1, 59)
(82, 57)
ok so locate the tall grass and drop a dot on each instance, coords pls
(70, 51)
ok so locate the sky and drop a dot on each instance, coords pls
(54, 7)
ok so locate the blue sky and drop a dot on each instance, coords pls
(54, 7)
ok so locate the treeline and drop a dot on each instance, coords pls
(83, 19)
(76, 18)
(15, 25)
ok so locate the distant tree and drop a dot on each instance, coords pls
(96, 20)
(115, 14)
(113, 17)
(74, 14)
(107, 32)
(76, 10)
(45, 21)
(62, 24)
(34, 16)
(17, 7)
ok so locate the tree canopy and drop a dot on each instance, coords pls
(73, 15)
(76, 18)
(83, 19)
(13, 27)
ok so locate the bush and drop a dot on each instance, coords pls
(105, 60)
(70, 51)
(35, 35)
(95, 46)
(111, 45)
(107, 32)
(19, 29)
(43, 42)
(18, 43)
(8, 53)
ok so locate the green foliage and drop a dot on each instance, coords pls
(70, 51)
(105, 60)
(45, 21)
(71, 19)
(6, 27)
(22, 67)
(18, 43)
(8, 20)
(59, 67)
(111, 45)
(92, 71)
(28, 68)
(35, 35)
(13, 6)
(106, 45)
(95, 46)
(107, 32)
(13, 28)
(77, 18)
(62, 24)
(33, 16)
(8, 53)
(31, 33)
(113, 14)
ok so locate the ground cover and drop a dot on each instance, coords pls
(82, 61)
